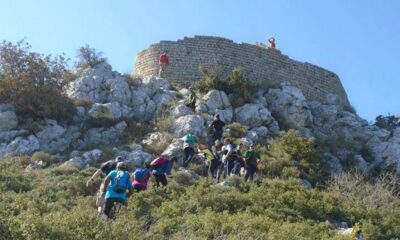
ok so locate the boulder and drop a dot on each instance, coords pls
(112, 111)
(225, 115)
(135, 156)
(194, 124)
(86, 159)
(175, 149)
(253, 115)
(53, 138)
(181, 110)
(163, 99)
(8, 118)
(360, 164)
(257, 135)
(155, 84)
(7, 136)
(118, 90)
(288, 105)
(36, 165)
(143, 108)
(20, 146)
(214, 100)
(105, 136)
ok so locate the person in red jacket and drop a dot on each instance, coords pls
(163, 61)
(271, 42)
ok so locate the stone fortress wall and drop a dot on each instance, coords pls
(267, 67)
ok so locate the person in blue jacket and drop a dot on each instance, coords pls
(116, 186)
(161, 168)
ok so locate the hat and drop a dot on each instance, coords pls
(119, 159)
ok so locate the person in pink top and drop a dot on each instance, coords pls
(141, 177)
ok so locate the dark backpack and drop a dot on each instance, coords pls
(141, 173)
(120, 186)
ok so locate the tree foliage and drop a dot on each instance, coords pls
(32, 82)
(89, 57)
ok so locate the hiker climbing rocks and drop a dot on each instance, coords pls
(271, 42)
(105, 168)
(212, 159)
(191, 102)
(162, 166)
(163, 60)
(239, 163)
(141, 177)
(251, 163)
(217, 124)
(116, 185)
(189, 142)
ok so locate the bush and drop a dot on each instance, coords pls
(42, 156)
(236, 130)
(236, 86)
(389, 122)
(89, 57)
(31, 82)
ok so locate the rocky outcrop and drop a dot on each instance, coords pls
(253, 115)
(214, 100)
(194, 124)
(8, 118)
(289, 107)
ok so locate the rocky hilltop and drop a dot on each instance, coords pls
(110, 102)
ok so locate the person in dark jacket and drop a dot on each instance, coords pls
(218, 125)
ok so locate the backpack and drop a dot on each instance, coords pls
(159, 161)
(141, 173)
(189, 138)
(120, 185)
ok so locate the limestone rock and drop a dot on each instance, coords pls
(53, 138)
(253, 115)
(194, 124)
(8, 118)
(86, 159)
(175, 149)
(181, 110)
(143, 107)
(20, 146)
(135, 156)
(7, 136)
(288, 105)
(155, 84)
(118, 90)
(214, 100)
(257, 135)
(104, 136)
(225, 115)
(36, 165)
(163, 99)
(112, 111)
(155, 139)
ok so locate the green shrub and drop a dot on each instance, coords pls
(42, 156)
(236, 86)
(236, 130)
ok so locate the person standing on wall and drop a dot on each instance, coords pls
(271, 43)
(217, 124)
(163, 60)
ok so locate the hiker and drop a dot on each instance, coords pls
(105, 168)
(212, 159)
(251, 163)
(162, 166)
(191, 102)
(230, 157)
(163, 60)
(217, 124)
(271, 43)
(189, 148)
(116, 185)
(141, 177)
(239, 163)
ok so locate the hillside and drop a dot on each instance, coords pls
(322, 167)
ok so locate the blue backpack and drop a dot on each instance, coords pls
(121, 184)
(141, 173)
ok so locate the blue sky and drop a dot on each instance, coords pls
(358, 40)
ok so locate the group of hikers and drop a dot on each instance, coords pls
(222, 158)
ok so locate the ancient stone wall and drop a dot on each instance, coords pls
(267, 67)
